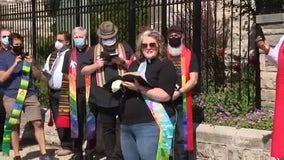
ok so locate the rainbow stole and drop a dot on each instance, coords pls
(163, 121)
(17, 109)
(90, 118)
(187, 117)
(277, 144)
(100, 74)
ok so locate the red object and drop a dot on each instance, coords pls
(221, 52)
(277, 145)
(50, 122)
(63, 122)
(186, 57)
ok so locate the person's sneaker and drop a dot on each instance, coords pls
(63, 152)
(17, 158)
(45, 157)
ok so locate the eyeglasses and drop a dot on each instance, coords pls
(152, 46)
(4, 36)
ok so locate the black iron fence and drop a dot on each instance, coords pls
(217, 31)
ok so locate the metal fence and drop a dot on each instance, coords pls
(217, 31)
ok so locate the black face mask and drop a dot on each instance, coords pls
(175, 42)
(18, 49)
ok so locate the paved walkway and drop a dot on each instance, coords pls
(30, 149)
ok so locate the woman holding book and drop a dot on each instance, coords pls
(147, 112)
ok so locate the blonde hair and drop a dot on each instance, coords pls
(159, 39)
(80, 29)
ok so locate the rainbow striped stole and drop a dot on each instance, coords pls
(185, 59)
(17, 109)
(90, 119)
(163, 121)
(100, 74)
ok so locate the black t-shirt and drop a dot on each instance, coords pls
(110, 69)
(160, 74)
(194, 67)
(80, 81)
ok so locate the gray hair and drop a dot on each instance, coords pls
(80, 29)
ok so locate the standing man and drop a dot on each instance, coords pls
(52, 70)
(81, 119)
(4, 37)
(107, 60)
(17, 71)
(187, 70)
(276, 55)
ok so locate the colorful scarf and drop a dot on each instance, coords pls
(277, 145)
(90, 118)
(17, 109)
(185, 60)
(100, 74)
(163, 121)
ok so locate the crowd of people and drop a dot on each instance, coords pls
(91, 101)
(152, 122)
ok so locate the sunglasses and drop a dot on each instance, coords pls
(152, 46)
(4, 36)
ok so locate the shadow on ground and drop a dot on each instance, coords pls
(35, 154)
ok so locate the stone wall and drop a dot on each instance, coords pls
(272, 32)
(228, 143)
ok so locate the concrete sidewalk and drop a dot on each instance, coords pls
(30, 149)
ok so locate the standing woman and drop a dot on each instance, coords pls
(146, 113)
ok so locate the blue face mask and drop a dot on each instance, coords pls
(5, 40)
(79, 42)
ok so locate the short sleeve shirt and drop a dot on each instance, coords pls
(12, 84)
(80, 81)
(160, 74)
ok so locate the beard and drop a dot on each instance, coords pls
(174, 51)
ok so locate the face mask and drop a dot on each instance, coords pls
(109, 42)
(58, 45)
(17, 49)
(5, 40)
(79, 42)
(175, 42)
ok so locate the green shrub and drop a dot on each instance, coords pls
(42, 91)
(223, 107)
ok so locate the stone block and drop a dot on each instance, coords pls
(268, 80)
(268, 95)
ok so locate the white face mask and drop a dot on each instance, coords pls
(109, 42)
(58, 45)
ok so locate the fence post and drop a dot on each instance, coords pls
(164, 17)
(131, 23)
(34, 29)
(196, 43)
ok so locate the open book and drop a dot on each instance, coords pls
(130, 76)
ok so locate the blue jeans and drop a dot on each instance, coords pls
(180, 153)
(139, 141)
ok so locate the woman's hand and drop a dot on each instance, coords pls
(176, 95)
(135, 86)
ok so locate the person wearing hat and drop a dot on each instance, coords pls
(105, 61)
(75, 113)
(186, 66)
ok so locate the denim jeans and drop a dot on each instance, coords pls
(139, 141)
(180, 153)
